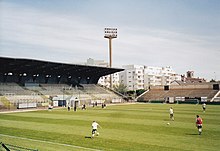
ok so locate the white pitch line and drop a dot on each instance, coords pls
(50, 142)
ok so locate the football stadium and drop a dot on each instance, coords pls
(51, 106)
(157, 88)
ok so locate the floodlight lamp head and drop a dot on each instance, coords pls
(110, 33)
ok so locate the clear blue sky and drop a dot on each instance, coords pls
(184, 34)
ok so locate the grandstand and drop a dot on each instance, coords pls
(207, 92)
(99, 92)
(28, 83)
(12, 89)
(46, 92)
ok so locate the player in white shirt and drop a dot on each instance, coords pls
(95, 126)
(203, 107)
(171, 114)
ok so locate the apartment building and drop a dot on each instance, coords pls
(105, 80)
(141, 77)
(160, 76)
(132, 77)
(137, 76)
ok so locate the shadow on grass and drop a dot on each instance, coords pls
(191, 134)
(167, 120)
(88, 137)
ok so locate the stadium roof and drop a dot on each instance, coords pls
(17, 66)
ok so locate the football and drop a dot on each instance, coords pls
(168, 123)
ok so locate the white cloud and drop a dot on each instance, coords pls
(44, 30)
(33, 33)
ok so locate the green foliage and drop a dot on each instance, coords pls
(131, 92)
(139, 92)
(121, 88)
(6, 103)
(124, 127)
(212, 80)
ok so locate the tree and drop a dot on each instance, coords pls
(121, 88)
(212, 80)
(139, 91)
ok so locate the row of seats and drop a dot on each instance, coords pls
(15, 92)
(13, 88)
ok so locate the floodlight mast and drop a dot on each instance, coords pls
(110, 33)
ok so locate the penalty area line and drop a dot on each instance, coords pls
(35, 140)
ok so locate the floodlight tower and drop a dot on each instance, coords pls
(110, 33)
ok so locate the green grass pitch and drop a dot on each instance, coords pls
(128, 127)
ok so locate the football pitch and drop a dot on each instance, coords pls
(126, 127)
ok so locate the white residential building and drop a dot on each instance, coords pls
(93, 62)
(132, 77)
(137, 76)
(141, 77)
(105, 80)
(160, 76)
